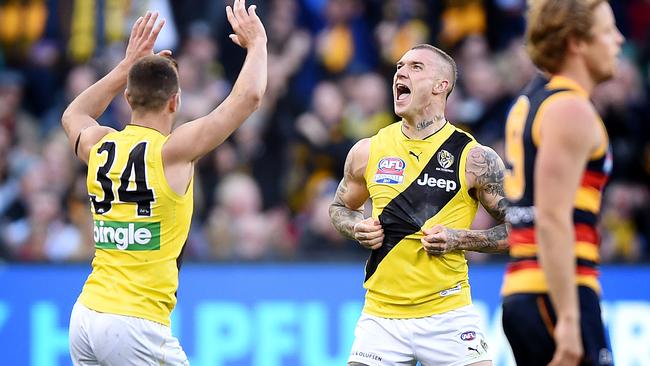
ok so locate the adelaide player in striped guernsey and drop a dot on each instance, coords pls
(558, 156)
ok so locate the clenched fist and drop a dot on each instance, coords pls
(369, 233)
(439, 240)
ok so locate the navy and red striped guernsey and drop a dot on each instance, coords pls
(523, 274)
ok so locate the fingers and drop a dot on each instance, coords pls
(165, 53)
(369, 233)
(235, 39)
(149, 25)
(240, 9)
(434, 248)
(135, 29)
(142, 26)
(234, 23)
(154, 35)
(369, 236)
(373, 243)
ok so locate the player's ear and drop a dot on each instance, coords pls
(174, 103)
(126, 96)
(440, 87)
(575, 45)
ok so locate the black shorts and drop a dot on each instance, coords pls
(528, 322)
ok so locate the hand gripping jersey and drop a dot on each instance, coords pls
(140, 227)
(417, 184)
(524, 274)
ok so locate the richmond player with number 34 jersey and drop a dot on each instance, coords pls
(140, 185)
(139, 230)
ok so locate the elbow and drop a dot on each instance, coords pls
(66, 118)
(255, 99)
(332, 210)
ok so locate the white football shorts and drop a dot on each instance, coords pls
(109, 339)
(448, 339)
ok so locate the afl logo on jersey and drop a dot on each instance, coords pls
(390, 171)
(468, 336)
(445, 159)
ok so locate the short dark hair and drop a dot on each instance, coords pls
(152, 80)
(550, 24)
(453, 70)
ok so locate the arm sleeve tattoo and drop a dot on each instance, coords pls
(344, 218)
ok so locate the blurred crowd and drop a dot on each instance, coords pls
(264, 194)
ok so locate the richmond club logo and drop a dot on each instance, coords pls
(445, 159)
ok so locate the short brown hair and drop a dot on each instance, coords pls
(453, 70)
(550, 24)
(151, 82)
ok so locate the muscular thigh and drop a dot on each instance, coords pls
(452, 338)
(529, 321)
(381, 342)
(124, 340)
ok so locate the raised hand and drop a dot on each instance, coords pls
(248, 27)
(369, 233)
(143, 36)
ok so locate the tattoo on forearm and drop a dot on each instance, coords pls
(494, 240)
(344, 218)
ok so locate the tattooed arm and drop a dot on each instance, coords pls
(484, 172)
(346, 211)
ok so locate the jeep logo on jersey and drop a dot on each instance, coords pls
(446, 184)
(445, 159)
(390, 170)
(127, 235)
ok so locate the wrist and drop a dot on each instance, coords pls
(569, 317)
(123, 67)
(259, 44)
(456, 240)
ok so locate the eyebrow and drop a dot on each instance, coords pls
(401, 63)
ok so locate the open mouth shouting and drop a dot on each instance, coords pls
(402, 92)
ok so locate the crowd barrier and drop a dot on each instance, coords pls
(279, 314)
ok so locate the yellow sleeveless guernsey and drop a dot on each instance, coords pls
(417, 184)
(140, 227)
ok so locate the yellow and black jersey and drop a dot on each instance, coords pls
(416, 184)
(524, 274)
(140, 227)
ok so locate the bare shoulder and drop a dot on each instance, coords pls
(483, 164)
(357, 159)
(572, 119)
(88, 138)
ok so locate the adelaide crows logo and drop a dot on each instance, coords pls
(445, 159)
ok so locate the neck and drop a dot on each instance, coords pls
(423, 127)
(161, 122)
(579, 73)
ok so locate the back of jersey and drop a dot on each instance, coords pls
(140, 227)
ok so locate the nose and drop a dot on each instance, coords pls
(400, 73)
(619, 37)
